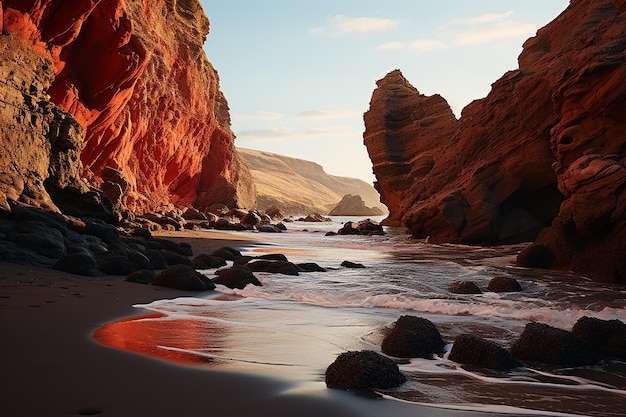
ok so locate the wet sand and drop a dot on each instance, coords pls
(51, 366)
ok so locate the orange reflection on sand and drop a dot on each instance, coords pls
(145, 335)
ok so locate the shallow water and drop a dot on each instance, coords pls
(293, 327)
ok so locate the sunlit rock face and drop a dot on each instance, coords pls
(541, 157)
(135, 77)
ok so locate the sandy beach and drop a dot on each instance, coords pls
(51, 366)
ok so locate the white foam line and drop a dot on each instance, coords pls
(224, 358)
(487, 408)
(452, 368)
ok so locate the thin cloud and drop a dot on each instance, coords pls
(340, 24)
(425, 45)
(259, 115)
(284, 134)
(418, 45)
(487, 28)
(326, 114)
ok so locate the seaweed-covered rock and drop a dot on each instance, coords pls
(363, 369)
(542, 343)
(472, 350)
(183, 277)
(413, 337)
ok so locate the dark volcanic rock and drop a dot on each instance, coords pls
(472, 350)
(542, 343)
(143, 276)
(79, 261)
(228, 253)
(504, 284)
(204, 261)
(311, 267)
(183, 277)
(350, 264)
(606, 337)
(173, 258)
(413, 337)
(535, 256)
(364, 369)
(237, 276)
(464, 287)
(275, 267)
(363, 227)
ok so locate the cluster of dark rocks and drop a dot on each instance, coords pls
(240, 274)
(590, 342)
(367, 227)
(496, 284)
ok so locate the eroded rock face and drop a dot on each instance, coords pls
(135, 77)
(541, 157)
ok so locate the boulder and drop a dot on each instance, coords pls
(250, 219)
(274, 267)
(464, 287)
(542, 343)
(173, 258)
(78, 261)
(350, 264)
(183, 277)
(605, 337)
(268, 228)
(204, 261)
(310, 267)
(504, 284)
(535, 256)
(228, 253)
(237, 276)
(142, 276)
(364, 369)
(413, 337)
(473, 350)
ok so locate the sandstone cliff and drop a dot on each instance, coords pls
(134, 76)
(299, 187)
(542, 156)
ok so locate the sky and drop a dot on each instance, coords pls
(298, 75)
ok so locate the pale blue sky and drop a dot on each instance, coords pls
(298, 75)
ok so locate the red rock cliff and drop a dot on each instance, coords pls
(542, 156)
(134, 75)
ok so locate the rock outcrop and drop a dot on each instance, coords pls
(136, 80)
(297, 187)
(353, 205)
(541, 157)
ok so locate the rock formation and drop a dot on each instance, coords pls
(541, 157)
(298, 187)
(136, 80)
(353, 205)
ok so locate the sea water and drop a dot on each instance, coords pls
(293, 327)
